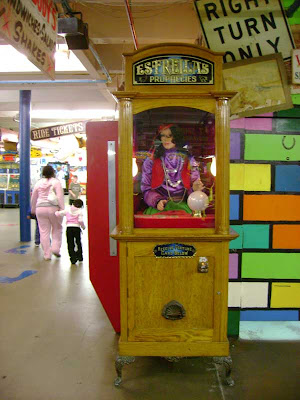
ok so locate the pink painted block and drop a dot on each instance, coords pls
(270, 114)
(237, 123)
(233, 266)
(258, 124)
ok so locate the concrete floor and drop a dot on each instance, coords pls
(56, 342)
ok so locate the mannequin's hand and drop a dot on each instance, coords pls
(198, 185)
(161, 205)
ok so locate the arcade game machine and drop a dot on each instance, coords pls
(173, 230)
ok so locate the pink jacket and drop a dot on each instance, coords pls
(73, 216)
(39, 197)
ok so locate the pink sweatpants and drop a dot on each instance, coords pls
(49, 224)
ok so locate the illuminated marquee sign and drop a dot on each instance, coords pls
(173, 70)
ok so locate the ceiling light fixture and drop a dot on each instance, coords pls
(75, 32)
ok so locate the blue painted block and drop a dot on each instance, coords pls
(269, 315)
(287, 178)
(234, 206)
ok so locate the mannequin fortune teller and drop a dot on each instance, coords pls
(171, 174)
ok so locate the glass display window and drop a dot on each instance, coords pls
(173, 168)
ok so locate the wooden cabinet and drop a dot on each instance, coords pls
(173, 271)
(153, 283)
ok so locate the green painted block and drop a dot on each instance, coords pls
(233, 328)
(238, 242)
(291, 113)
(287, 125)
(256, 236)
(295, 19)
(295, 98)
(271, 147)
(271, 265)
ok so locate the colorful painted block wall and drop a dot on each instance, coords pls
(265, 211)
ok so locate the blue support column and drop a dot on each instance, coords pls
(24, 151)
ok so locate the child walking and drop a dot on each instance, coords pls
(74, 220)
(37, 240)
(75, 190)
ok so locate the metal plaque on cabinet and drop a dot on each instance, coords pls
(174, 250)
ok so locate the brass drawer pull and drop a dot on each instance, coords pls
(173, 311)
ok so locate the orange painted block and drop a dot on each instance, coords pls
(271, 207)
(286, 236)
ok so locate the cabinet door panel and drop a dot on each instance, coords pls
(154, 282)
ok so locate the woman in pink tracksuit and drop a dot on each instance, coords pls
(45, 212)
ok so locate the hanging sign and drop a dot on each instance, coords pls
(296, 66)
(30, 26)
(173, 70)
(58, 130)
(245, 29)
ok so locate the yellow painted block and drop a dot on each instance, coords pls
(257, 177)
(237, 173)
(250, 177)
(285, 295)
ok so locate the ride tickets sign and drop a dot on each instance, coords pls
(30, 26)
(173, 70)
(58, 130)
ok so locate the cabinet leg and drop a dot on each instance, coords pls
(227, 363)
(119, 363)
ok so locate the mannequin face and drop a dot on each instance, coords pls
(166, 138)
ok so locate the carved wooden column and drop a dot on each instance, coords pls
(125, 166)
(222, 157)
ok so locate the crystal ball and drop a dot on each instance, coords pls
(197, 201)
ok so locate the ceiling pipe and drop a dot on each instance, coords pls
(130, 18)
(104, 70)
(53, 82)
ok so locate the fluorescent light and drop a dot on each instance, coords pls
(14, 61)
(65, 60)
(74, 114)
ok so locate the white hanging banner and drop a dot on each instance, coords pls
(30, 26)
(245, 29)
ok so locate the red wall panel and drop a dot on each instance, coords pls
(104, 268)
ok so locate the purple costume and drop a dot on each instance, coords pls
(172, 185)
